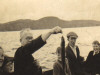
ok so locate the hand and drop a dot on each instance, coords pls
(56, 30)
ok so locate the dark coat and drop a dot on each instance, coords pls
(24, 63)
(49, 72)
(74, 63)
(8, 73)
(92, 63)
(58, 69)
(1, 71)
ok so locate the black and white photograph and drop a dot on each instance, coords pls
(49, 37)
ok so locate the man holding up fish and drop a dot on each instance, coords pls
(25, 63)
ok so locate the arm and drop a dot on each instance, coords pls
(55, 30)
(33, 46)
(39, 42)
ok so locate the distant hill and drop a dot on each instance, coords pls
(46, 23)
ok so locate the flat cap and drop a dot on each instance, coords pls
(72, 34)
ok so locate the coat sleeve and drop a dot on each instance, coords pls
(33, 46)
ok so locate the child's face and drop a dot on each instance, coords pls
(95, 47)
(9, 67)
(59, 56)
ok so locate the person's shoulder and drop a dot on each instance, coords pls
(19, 50)
(67, 47)
(90, 52)
(56, 64)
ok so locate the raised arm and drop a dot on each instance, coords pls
(37, 43)
(55, 30)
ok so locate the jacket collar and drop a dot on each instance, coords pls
(70, 49)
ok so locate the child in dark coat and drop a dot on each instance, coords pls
(57, 67)
(92, 63)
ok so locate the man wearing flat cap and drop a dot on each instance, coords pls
(73, 54)
(24, 62)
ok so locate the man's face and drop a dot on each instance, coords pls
(96, 47)
(72, 40)
(1, 57)
(9, 67)
(26, 39)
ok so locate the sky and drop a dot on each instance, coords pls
(11, 10)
